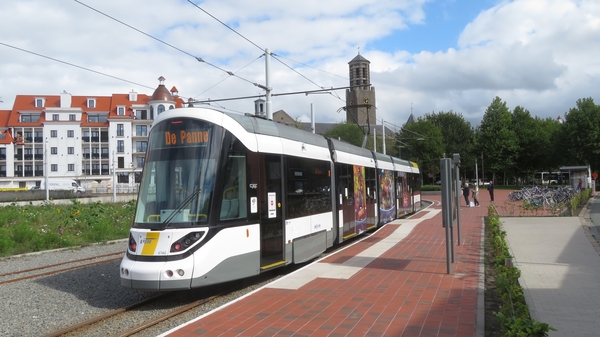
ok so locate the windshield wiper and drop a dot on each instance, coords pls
(181, 206)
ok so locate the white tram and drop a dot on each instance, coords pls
(226, 196)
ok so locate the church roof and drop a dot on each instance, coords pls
(359, 58)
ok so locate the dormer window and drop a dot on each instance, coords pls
(39, 102)
(91, 103)
(55, 117)
(161, 109)
(121, 110)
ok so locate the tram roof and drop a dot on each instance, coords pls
(258, 125)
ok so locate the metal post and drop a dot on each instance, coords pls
(46, 170)
(456, 158)
(114, 179)
(383, 134)
(268, 84)
(446, 178)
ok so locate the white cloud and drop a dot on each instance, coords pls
(542, 54)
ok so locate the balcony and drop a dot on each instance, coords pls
(18, 173)
(19, 156)
(95, 139)
(104, 156)
(95, 172)
(28, 156)
(39, 173)
(2, 173)
(38, 139)
(85, 139)
(39, 156)
(104, 139)
(2, 157)
(29, 173)
(105, 172)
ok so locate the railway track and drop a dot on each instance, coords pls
(99, 322)
(56, 268)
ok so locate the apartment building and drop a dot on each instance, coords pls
(90, 139)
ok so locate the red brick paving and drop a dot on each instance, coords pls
(404, 292)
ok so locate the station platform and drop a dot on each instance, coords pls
(391, 283)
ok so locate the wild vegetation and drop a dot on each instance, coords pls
(29, 228)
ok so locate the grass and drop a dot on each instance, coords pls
(25, 229)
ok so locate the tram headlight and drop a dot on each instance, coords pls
(186, 241)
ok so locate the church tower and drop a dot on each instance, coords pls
(360, 99)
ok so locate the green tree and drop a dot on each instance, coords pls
(580, 134)
(496, 139)
(458, 137)
(347, 132)
(422, 142)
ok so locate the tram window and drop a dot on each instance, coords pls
(308, 187)
(233, 203)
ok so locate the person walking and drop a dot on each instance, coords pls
(491, 190)
(476, 195)
(466, 192)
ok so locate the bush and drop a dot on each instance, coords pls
(514, 312)
(429, 188)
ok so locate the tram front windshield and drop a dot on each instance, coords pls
(179, 172)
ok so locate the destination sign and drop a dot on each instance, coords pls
(184, 137)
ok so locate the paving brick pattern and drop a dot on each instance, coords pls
(393, 283)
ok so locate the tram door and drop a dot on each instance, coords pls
(271, 224)
(346, 198)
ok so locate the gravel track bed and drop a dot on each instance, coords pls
(50, 303)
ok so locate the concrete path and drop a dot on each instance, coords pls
(560, 270)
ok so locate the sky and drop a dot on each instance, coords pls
(426, 56)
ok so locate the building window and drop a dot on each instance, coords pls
(70, 133)
(71, 167)
(72, 117)
(121, 111)
(142, 114)
(39, 102)
(91, 103)
(160, 109)
(97, 118)
(121, 162)
(54, 167)
(171, 107)
(120, 146)
(54, 150)
(28, 118)
(71, 150)
(141, 146)
(141, 130)
(120, 130)
(140, 162)
(123, 178)
(53, 133)
(54, 117)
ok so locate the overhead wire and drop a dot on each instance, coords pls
(76, 66)
(199, 59)
(259, 47)
(224, 24)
